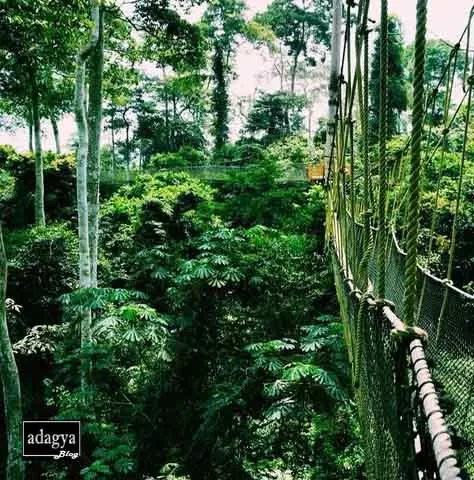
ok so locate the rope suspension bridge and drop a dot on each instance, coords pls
(408, 332)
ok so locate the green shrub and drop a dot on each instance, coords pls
(289, 152)
(43, 265)
(59, 186)
(186, 156)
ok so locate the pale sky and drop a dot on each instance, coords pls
(446, 20)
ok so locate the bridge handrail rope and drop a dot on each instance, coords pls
(442, 444)
(381, 368)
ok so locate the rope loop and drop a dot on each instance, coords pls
(380, 303)
(355, 293)
(407, 334)
(448, 282)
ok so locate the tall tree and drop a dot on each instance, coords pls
(333, 82)
(82, 187)
(225, 22)
(37, 39)
(57, 99)
(178, 49)
(220, 99)
(300, 26)
(10, 381)
(96, 72)
(275, 115)
(40, 216)
(396, 82)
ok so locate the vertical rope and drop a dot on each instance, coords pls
(414, 184)
(447, 102)
(353, 199)
(382, 150)
(452, 247)
(367, 208)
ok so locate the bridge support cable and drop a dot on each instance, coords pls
(449, 273)
(382, 200)
(415, 164)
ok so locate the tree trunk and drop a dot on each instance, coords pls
(30, 131)
(39, 180)
(333, 84)
(82, 203)
(10, 381)
(54, 124)
(167, 112)
(114, 161)
(127, 144)
(96, 65)
(173, 131)
(293, 72)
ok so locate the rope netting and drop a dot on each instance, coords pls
(410, 333)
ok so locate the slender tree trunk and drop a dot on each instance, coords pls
(10, 381)
(310, 131)
(127, 144)
(114, 160)
(333, 83)
(173, 131)
(82, 203)
(167, 112)
(293, 72)
(96, 65)
(54, 124)
(40, 218)
(30, 131)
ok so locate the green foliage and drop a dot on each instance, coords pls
(7, 186)
(275, 115)
(298, 25)
(211, 333)
(32, 51)
(224, 22)
(59, 176)
(220, 101)
(253, 196)
(186, 156)
(289, 152)
(170, 365)
(173, 40)
(437, 57)
(152, 208)
(170, 114)
(286, 393)
(42, 266)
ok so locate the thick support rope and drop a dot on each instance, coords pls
(382, 150)
(415, 173)
(367, 211)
